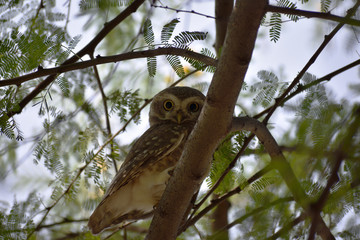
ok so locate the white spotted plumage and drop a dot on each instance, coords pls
(141, 180)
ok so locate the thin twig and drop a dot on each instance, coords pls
(279, 101)
(88, 49)
(252, 213)
(288, 226)
(108, 59)
(223, 175)
(183, 11)
(65, 221)
(302, 88)
(118, 229)
(215, 202)
(81, 169)
(41, 6)
(337, 158)
(184, 77)
(106, 112)
(272, 109)
(312, 14)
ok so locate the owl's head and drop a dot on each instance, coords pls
(176, 104)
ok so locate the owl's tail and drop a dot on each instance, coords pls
(111, 211)
(118, 207)
(99, 220)
(103, 217)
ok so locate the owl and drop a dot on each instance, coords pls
(140, 182)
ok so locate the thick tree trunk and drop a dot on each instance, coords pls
(223, 10)
(215, 120)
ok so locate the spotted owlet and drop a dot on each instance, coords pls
(141, 180)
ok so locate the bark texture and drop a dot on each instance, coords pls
(223, 9)
(215, 120)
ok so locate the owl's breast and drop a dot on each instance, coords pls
(152, 181)
(150, 186)
(174, 144)
(143, 178)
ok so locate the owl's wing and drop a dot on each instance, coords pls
(157, 142)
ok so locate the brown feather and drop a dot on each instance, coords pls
(141, 180)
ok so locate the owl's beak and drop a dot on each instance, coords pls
(179, 117)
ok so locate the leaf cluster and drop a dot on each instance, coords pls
(31, 42)
(182, 40)
(268, 89)
(125, 104)
(276, 20)
(73, 128)
(223, 156)
(320, 124)
(18, 223)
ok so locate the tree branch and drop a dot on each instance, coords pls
(88, 49)
(222, 14)
(216, 115)
(288, 226)
(65, 221)
(312, 14)
(106, 112)
(279, 101)
(279, 162)
(277, 158)
(223, 9)
(253, 212)
(223, 175)
(302, 88)
(346, 143)
(108, 59)
(220, 218)
(182, 11)
(214, 202)
(81, 169)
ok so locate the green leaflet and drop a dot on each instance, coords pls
(267, 89)
(325, 5)
(168, 30)
(182, 40)
(276, 20)
(149, 38)
(275, 30)
(124, 104)
(19, 222)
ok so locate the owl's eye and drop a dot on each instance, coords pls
(168, 105)
(193, 107)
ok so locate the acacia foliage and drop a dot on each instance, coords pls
(69, 140)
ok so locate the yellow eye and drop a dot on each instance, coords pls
(168, 105)
(193, 107)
